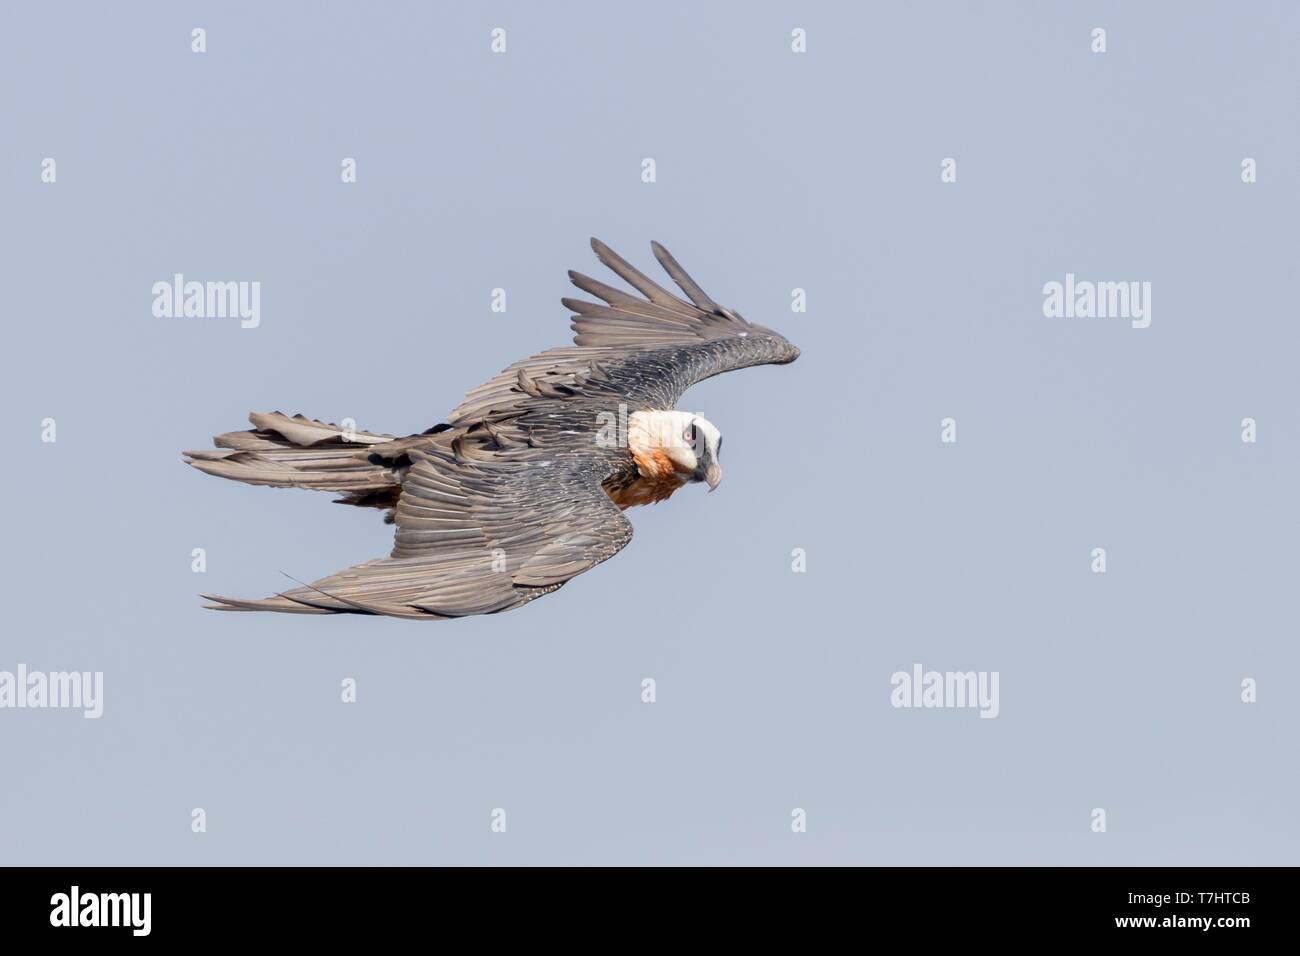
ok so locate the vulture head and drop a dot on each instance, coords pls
(687, 443)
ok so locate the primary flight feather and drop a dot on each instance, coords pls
(523, 487)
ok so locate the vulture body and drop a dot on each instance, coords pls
(523, 486)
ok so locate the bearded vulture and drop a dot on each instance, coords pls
(524, 485)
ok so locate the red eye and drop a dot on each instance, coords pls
(689, 435)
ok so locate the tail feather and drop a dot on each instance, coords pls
(299, 452)
(368, 470)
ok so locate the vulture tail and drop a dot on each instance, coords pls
(298, 452)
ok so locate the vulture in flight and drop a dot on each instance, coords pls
(524, 486)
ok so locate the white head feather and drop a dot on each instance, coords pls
(683, 437)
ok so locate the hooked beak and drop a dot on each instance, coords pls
(713, 476)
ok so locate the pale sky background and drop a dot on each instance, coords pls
(775, 171)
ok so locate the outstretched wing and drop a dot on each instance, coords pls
(644, 350)
(475, 537)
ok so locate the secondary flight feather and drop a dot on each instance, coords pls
(523, 487)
